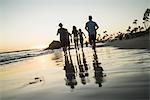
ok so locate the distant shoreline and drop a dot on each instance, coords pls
(17, 51)
(141, 42)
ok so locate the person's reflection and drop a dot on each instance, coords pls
(81, 68)
(98, 70)
(82, 74)
(85, 64)
(69, 72)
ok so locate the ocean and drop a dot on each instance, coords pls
(16, 56)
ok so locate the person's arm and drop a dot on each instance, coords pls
(86, 28)
(70, 36)
(84, 34)
(57, 31)
(72, 32)
(96, 26)
(69, 33)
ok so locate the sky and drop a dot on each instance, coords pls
(28, 24)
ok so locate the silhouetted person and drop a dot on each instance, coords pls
(81, 37)
(75, 36)
(64, 37)
(91, 27)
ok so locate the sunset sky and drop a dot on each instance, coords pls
(28, 24)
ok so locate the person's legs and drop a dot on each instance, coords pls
(64, 45)
(68, 44)
(93, 38)
(90, 39)
(75, 42)
(81, 42)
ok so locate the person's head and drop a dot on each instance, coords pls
(74, 27)
(90, 17)
(60, 25)
(80, 30)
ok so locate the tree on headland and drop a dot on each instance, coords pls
(129, 29)
(135, 22)
(144, 25)
(105, 32)
(141, 29)
(146, 18)
(99, 37)
(135, 29)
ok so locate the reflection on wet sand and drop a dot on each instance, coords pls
(98, 69)
(82, 66)
(71, 71)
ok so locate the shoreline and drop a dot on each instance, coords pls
(141, 42)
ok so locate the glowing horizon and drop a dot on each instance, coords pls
(27, 24)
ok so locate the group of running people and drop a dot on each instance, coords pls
(91, 28)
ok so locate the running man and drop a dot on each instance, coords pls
(64, 37)
(91, 27)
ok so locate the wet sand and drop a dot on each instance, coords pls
(43, 77)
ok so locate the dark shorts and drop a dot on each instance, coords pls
(92, 38)
(65, 43)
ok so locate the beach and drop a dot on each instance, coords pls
(126, 76)
(75, 50)
(141, 42)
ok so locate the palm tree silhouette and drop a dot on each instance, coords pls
(105, 32)
(135, 22)
(146, 18)
(144, 25)
(99, 37)
(128, 30)
(141, 29)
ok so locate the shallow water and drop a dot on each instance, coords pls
(125, 72)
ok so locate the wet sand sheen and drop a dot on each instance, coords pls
(126, 78)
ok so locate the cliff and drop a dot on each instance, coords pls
(54, 45)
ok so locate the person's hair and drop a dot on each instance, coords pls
(60, 24)
(74, 28)
(90, 17)
(80, 30)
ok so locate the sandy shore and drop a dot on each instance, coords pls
(142, 42)
(43, 78)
